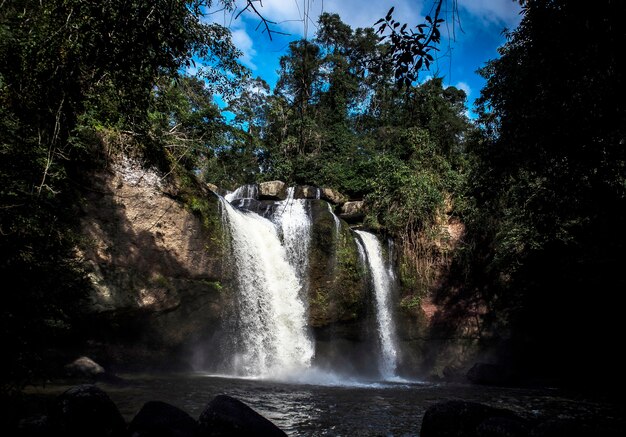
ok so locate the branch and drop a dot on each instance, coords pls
(264, 21)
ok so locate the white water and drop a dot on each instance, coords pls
(337, 221)
(294, 223)
(382, 286)
(272, 340)
(244, 192)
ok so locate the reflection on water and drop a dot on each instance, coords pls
(353, 408)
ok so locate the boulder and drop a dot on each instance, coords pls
(86, 410)
(84, 367)
(227, 416)
(459, 419)
(307, 192)
(272, 190)
(216, 189)
(333, 196)
(161, 419)
(353, 211)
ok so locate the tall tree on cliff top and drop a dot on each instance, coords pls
(550, 184)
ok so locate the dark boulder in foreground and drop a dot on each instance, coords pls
(469, 419)
(86, 410)
(161, 419)
(227, 416)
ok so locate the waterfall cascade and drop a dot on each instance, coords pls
(269, 336)
(382, 281)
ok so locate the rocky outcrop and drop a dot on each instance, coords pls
(339, 301)
(153, 251)
(307, 192)
(272, 190)
(333, 196)
(337, 288)
(353, 211)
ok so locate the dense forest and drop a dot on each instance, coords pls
(539, 179)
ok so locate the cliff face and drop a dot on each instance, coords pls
(158, 258)
(154, 253)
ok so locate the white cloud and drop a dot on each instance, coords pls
(465, 87)
(243, 42)
(499, 12)
(289, 14)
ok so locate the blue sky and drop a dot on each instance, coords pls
(471, 44)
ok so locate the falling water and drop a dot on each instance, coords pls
(294, 223)
(271, 337)
(244, 192)
(337, 221)
(382, 286)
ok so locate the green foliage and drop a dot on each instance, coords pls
(73, 75)
(548, 182)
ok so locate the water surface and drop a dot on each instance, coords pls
(344, 407)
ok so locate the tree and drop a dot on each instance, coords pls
(411, 47)
(70, 70)
(548, 182)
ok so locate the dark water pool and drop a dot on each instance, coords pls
(351, 408)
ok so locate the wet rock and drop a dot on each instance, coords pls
(306, 192)
(86, 410)
(161, 419)
(84, 367)
(353, 211)
(460, 419)
(227, 416)
(333, 196)
(272, 190)
(216, 189)
(489, 374)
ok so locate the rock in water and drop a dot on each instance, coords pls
(227, 416)
(86, 410)
(161, 419)
(84, 367)
(272, 190)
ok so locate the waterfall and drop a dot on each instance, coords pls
(270, 337)
(294, 222)
(382, 287)
(250, 191)
(337, 221)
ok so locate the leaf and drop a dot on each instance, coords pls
(390, 13)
